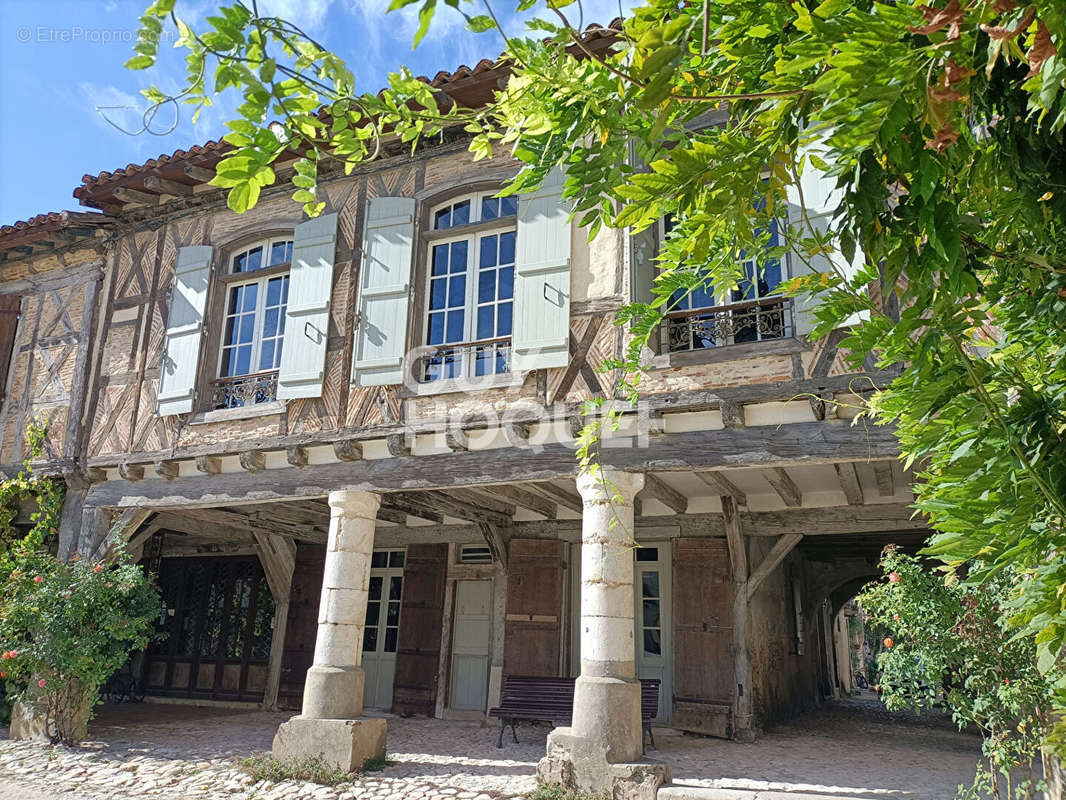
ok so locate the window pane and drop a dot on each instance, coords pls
(488, 252)
(440, 259)
(375, 580)
(443, 218)
(486, 286)
(438, 294)
(508, 206)
(239, 261)
(244, 361)
(392, 614)
(378, 560)
(436, 328)
(280, 252)
(650, 584)
(647, 554)
(455, 327)
(483, 361)
(396, 559)
(274, 286)
(503, 323)
(507, 247)
(270, 322)
(249, 296)
(390, 640)
(490, 207)
(458, 256)
(370, 640)
(247, 328)
(506, 283)
(395, 587)
(266, 356)
(653, 643)
(485, 322)
(651, 613)
(457, 291)
(255, 259)
(461, 213)
(373, 612)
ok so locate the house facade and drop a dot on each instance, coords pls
(352, 437)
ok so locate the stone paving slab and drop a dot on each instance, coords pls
(157, 752)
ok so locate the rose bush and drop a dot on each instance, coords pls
(951, 645)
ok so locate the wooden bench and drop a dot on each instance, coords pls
(543, 699)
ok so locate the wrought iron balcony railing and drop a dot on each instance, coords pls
(734, 323)
(245, 390)
(466, 360)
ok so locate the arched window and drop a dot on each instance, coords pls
(256, 284)
(469, 287)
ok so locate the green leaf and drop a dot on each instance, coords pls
(139, 62)
(480, 23)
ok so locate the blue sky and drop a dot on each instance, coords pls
(60, 60)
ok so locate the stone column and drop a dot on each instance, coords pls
(331, 726)
(601, 751)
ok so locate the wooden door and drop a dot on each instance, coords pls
(535, 586)
(421, 620)
(216, 621)
(470, 645)
(302, 627)
(704, 681)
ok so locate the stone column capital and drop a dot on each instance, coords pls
(363, 505)
(605, 485)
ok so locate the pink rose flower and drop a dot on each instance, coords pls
(41, 683)
(37, 579)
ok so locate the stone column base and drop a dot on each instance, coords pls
(334, 693)
(579, 765)
(345, 743)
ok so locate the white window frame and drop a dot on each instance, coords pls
(506, 224)
(260, 278)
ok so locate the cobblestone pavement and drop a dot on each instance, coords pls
(156, 751)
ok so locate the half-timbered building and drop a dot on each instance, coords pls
(346, 444)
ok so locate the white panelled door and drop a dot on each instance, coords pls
(470, 645)
(382, 627)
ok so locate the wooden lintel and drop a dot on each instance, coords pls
(657, 489)
(398, 505)
(519, 496)
(128, 195)
(348, 450)
(131, 472)
(782, 547)
(570, 500)
(723, 486)
(886, 485)
(848, 477)
(166, 469)
(296, 456)
(209, 465)
(793, 444)
(785, 487)
(166, 186)
(253, 460)
(199, 173)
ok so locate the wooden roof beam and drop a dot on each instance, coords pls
(785, 487)
(848, 477)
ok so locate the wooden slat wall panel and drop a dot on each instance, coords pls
(703, 635)
(303, 623)
(421, 618)
(535, 588)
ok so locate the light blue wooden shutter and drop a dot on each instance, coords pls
(541, 336)
(185, 327)
(821, 198)
(303, 355)
(384, 292)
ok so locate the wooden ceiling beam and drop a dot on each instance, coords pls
(848, 477)
(161, 185)
(570, 500)
(128, 195)
(886, 484)
(655, 488)
(723, 487)
(401, 506)
(200, 174)
(785, 487)
(521, 497)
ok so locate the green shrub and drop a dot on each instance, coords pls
(64, 629)
(554, 791)
(947, 642)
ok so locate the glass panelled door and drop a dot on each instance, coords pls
(652, 593)
(382, 627)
